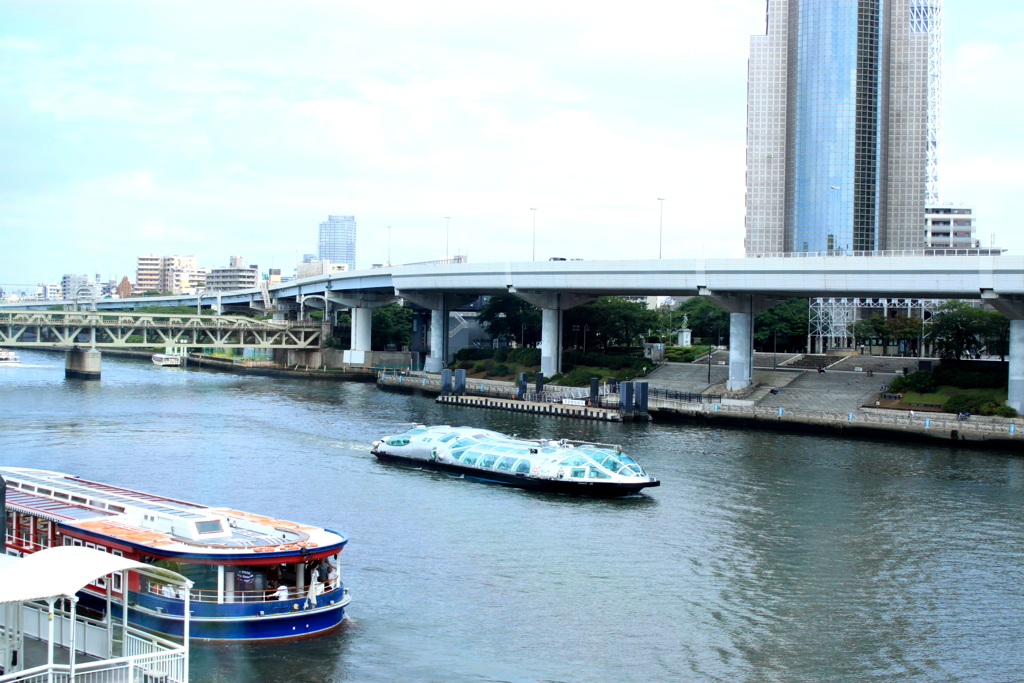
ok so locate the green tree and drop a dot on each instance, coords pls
(610, 321)
(708, 321)
(785, 320)
(509, 317)
(391, 324)
(959, 327)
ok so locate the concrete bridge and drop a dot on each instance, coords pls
(743, 287)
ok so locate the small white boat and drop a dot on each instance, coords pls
(167, 359)
(8, 357)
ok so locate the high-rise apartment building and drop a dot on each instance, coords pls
(337, 242)
(73, 286)
(147, 274)
(843, 125)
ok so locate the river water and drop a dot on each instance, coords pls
(762, 557)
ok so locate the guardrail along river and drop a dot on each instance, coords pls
(762, 557)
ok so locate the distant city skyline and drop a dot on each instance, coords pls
(128, 132)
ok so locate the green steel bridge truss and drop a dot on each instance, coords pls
(143, 330)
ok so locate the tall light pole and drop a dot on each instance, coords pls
(661, 220)
(447, 223)
(389, 245)
(534, 258)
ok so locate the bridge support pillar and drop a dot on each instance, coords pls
(361, 328)
(1012, 307)
(1015, 385)
(552, 306)
(435, 361)
(741, 351)
(742, 308)
(82, 364)
(551, 341)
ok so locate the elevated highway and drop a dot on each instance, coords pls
(742, 286)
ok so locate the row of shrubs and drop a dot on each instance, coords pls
(927, 381)
(684, 354)
(978, 405)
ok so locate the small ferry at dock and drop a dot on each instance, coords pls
(8, 357)
(166, 359)
(254, 577)
(572, 467)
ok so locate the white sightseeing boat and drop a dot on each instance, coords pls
(572, 467)
(167, 359)
(254, 577)
(8, 357)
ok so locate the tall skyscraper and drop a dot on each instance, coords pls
(843, 125)
(338, 240)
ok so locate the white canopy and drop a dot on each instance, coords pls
(64, 570)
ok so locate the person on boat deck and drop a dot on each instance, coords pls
(282, 592)
(245, 580)
(315, 589)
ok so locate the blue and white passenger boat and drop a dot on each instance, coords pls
(255, 577)
(574, 467)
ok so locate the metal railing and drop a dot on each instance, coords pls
(937, 251)
(684, 396)
(266, 595)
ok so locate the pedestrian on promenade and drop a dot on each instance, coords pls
(911, 414)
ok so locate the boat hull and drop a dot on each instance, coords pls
(230, 621)
(595, 489)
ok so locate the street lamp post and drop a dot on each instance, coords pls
(534, 258)
(447, 224)
(576, 346)
(389, 245)
(661, 220)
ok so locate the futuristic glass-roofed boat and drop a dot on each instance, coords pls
(254, 577)
(572, 467)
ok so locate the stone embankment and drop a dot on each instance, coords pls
(864, 423)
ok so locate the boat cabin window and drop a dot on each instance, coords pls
(578, 472)
(505, 463)
(523, 467)
(448, 437)
(487, 460)
(575, 461)
(209, 527)
(501, 449)
(521, 451)
(462, 443)
(402, 440)
(598, 473)
(417, 430)
(470, 458)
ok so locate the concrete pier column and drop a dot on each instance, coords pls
(435, 361)
(82, 364)
(1015, 387)
(741, 349)
(550, 348)
(361, 328)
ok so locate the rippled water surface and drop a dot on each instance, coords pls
(762, 557)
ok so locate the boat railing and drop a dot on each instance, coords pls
(266, 595)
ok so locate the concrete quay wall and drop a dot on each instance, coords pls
(1005, 434)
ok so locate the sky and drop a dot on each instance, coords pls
(220, 128)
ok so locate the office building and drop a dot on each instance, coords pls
(73, 286)
(337, 242)
(844, 123)
(232, 277)
(950, 227)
